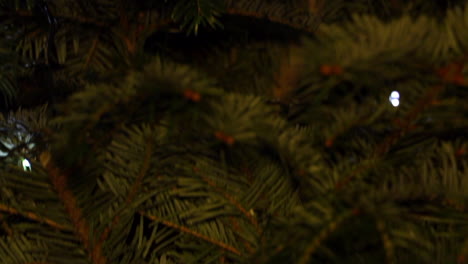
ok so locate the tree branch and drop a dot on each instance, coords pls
(193, 233)
(279, 20)
(81, 226)
(32, 216)
(132, 193)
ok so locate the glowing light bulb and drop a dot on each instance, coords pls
(395, 98)
(26, 165)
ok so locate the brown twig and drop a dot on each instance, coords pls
(81, 227)
(32, 216)
(193, 233)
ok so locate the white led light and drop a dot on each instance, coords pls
(26, 165)
(395, 98)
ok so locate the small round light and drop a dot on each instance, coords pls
(395, 98)
(26, 165)
(395, 102)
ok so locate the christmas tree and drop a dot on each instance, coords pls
(221, 131)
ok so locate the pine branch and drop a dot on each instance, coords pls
(449, 74)
(33, 216)
(324, 234)
(388, 245)
(76, 18)
(462, 258)
(230, 11)
(407, 124)
(59, 181)
(132, 193)
(5, 225)
(234, 202)
(91, 52)
(391, 139)
(279, 20)
(193, 233)
(214, 203)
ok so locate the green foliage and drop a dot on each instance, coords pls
(194, 13)
(187, 157)
(9, 71)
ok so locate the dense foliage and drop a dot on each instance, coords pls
(219, 131)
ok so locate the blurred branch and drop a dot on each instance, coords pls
(80, 19)
(279, 20)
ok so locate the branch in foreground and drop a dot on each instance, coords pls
(32, 216)
(81, 226)
(193, 233)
